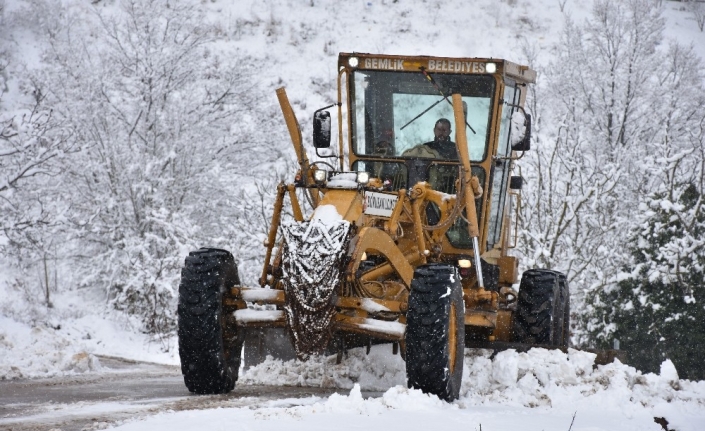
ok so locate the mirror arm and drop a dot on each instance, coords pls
(326, 107)
(323, 156)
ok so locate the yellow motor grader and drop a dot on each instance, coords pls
(408, 238)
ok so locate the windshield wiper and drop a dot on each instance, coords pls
(433, 82)
(424, 111)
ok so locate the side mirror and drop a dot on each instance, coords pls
(521, 131)
(321, 129)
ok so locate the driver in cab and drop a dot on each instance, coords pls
(440, 148)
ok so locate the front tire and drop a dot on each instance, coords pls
(209, 343)
(435, 331)
(543, 309)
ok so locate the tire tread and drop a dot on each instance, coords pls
(543, 309)
(205, 365)
(427, 356)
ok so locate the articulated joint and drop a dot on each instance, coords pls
(418, 191)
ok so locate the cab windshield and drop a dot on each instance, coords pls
(394, 113)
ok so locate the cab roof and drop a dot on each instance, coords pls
(413, 63)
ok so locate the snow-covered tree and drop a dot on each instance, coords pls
(609, 105)
(697, 8)
(656, 311)
(656, 307)
(33, 148)
(162, 117)
(595, 98)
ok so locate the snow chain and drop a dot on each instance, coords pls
(312, 260)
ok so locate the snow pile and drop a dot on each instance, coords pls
(552, 378)
(537, 378)
(397, 408)
(377, 371)
(396, 398)
(40, 352)
(573, 394)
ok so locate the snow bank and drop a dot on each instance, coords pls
(552, 378)
(38, 342)
(40, 352)
(539, 378)
(568, 386)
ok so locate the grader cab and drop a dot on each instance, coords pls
(408, 238)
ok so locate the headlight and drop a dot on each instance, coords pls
(490, 68)
(464, 265)
(353, 62)
(363, 177)
(320, 175)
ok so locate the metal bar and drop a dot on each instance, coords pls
(340, 116)
(361, 325)
(295, 207)
(418, 226)
(295, 132)
(272, 236)
(470, 210)
(367, 304)
(263, 296)
(478, 264)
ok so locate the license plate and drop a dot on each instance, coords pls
(380, 204)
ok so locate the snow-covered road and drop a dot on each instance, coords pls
(125, 391)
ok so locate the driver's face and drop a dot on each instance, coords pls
(441, 131)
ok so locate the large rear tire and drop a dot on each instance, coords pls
(543, 309)
(210, 345)
(435, 331)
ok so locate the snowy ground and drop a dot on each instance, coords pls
(537, 390)
(36, 341)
